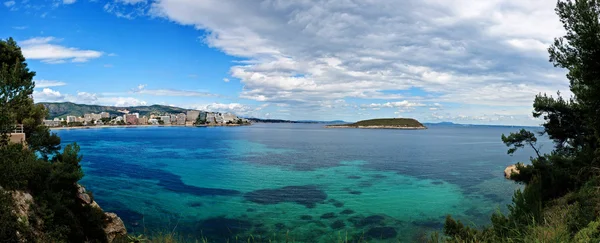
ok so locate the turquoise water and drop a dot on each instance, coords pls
(309, 183)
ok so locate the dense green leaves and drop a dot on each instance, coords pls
(39, 167)
(569, 176)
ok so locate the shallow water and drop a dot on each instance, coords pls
(296, 181)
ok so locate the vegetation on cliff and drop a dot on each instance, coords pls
(385, 122)
(561, 200)
(38, 168)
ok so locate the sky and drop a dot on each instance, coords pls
(463, 61)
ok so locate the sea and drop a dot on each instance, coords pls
(297, 182)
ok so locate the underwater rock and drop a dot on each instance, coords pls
(328, 216)
(374, 220)
(306, 217)
(280, 226)
(432, 224)
(220, 228)
(355, 192)
(307, 196)
(354, 177)
(381, 233)
(336, 203)
(195, 204)
(347, 211)
(338, 224)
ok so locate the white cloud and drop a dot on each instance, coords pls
(9, 4)
(50, 95)
(48, 83)
(310, 53)
(397, 104)
(42, 48)
(226, 80)
(124, 101)
(141, 89)
(131, 1)
(69, 1)
(19, 27)
(46, 95)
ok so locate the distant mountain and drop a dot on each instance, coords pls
(61, 110)
(260, 120)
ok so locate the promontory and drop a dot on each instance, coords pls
(384, 123)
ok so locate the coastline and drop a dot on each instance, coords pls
(377, 127)
(139, 126)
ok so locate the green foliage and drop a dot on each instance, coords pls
(40, 168)
(397, 122)
(570, 175)
(518, 140)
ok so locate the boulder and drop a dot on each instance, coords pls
(82, 195)
(114, 227)
(509, 170)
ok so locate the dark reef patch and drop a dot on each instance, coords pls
(328, 216)
(365, 184)
(280, 226)
(437, 182)
(354, 177)
(129, 216)
(474, 212)
(355, 192)
(493, 197)
(381, 233)
(338, 224)
(336, 203)
(167, 180)
(432, 224)
(307, 196)
(221, 228)
(195, 204)
(250, 210)
(347, 211)
(374, 220)
(379, 176)
(306, 217)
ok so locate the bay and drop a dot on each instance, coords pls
(297, 181)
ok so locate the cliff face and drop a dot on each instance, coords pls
(24, 201)
(114, 226)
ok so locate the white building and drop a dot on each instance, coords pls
(229, 117)
(104, 115)
(153, 121)
(181, 119)
(166, 119)
(210, 117)
(71, 119)
(192, 115)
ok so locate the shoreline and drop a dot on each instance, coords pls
(138, 126)
(377, 127)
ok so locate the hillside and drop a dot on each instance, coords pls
(61, 110)
(398, 123)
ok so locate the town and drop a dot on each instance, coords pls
(127, 118)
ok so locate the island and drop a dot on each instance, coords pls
(384, 123)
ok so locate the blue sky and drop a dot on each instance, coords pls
(435, 60)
